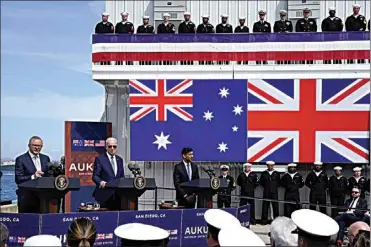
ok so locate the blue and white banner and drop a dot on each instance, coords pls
(243, 215)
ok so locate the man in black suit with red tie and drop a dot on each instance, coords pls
(183, 172)
(30, 165)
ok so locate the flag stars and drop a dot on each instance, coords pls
(162, 141)
(222, 147)
(208, 115)
(237, 110)
(234, 128)
(223, 92)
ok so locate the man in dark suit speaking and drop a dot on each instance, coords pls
(183, 172)
(107, 167)
(30, 165)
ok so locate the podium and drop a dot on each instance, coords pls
(126, 190)
(203, 189)
(46, 190)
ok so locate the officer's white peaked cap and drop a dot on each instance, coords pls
(141, 232)
(220, 219)
(242, 18)
(145, 17)
(224, 167)
(262, 11)
(165, 15)
(246, 164)
(105, 14)
(205, 16)
(315, 223)
(332, 9)
(43, 240)
(356, 6)
(357, 169)
(270, 163)
(224, 16)
(338, 168)
(283, 11)
(239, 236)
(318, 163)
(124, 13)
(187, 13)
(291, 165)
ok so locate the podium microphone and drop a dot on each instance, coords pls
(131, 167)
(207, 171)
(211, 170)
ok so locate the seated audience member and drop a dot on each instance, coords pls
(281, 232)
(239, 236)
(354, 228)
(137, 234)
(43, 240)
(356, 210)
(216, 220)
(366, 218)
(81, 232)
(4, 235)
(362, 239)
(313, 228)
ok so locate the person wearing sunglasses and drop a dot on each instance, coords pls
(356, 208)
(107, 167)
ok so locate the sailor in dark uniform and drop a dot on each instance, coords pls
(248, 181)
(306, 24)
(292, 181)
(317, 182)
(356, 22)
(283, 25)
(146, 28)
(242, 28)
(357, 181)
(187, 26)
(205, 26)
(224, 196)
(262, 26)
(224, 27)
(125, 26)
(104, 26)
(270, 181)
(166, 26)
(337, 186)
(332, 23)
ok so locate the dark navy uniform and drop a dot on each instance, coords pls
(283, 26)
(306, 25)
(187, 27)
(332, 24)
(353, 23)
(317, 183)
(292, 183)
(224, 196)
(359, 183)
(337, 186)
(205, 28)
(248, 183)
(270, 181)
(241, 29)
(169, 28)
(262, 27)
(224, 28)
(104, 27)
(124, 27)
(145, 29)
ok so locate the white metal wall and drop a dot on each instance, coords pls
(138, 8)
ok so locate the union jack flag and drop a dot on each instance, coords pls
(160, 99)
(309, 119)
(100, 236)
(88, 143)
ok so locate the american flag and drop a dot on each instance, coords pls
(213, 122)
(100, 143)
(309, 119)
(109, 236)
(88, 143)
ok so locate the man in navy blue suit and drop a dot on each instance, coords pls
(357, 208)
(107, 167)
(30, 165)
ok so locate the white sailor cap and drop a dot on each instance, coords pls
(323, 225)
(219, 219)
(242, 18)
(357, 169)
(239, 236)
(338, 168)
(146, 17)
(141, 232)
(224, 16)
(105, 14)
(283, 11)
(246, 164)
(356, 6)
(332, 9)
(291, 165)
(124, 13)
(270, 162)
(224, 167)
(43, 240)
(306, 10)
(262, 11)
(165, 15)
(205, 16)
(187, 13)
(317, 163)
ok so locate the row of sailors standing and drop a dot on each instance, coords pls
(355, 22)
(317, 181)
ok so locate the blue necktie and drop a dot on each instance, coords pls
(189, 172)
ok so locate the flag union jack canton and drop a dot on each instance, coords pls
(208, 115)
(309, 119)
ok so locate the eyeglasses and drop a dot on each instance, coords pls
(355, 192)
(112, 146)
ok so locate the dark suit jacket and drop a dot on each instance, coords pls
(103, 171)
(180, 175)
(25, 168)
(361, 205)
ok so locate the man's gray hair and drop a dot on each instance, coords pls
(4, 234)
(281, 232)
(111, 139)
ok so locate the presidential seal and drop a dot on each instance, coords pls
(61, 182)
(139, 182)
(215, 183)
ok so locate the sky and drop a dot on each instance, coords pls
(46, 72)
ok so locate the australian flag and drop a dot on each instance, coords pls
(209, 116)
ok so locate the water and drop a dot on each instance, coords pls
(8, 185)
